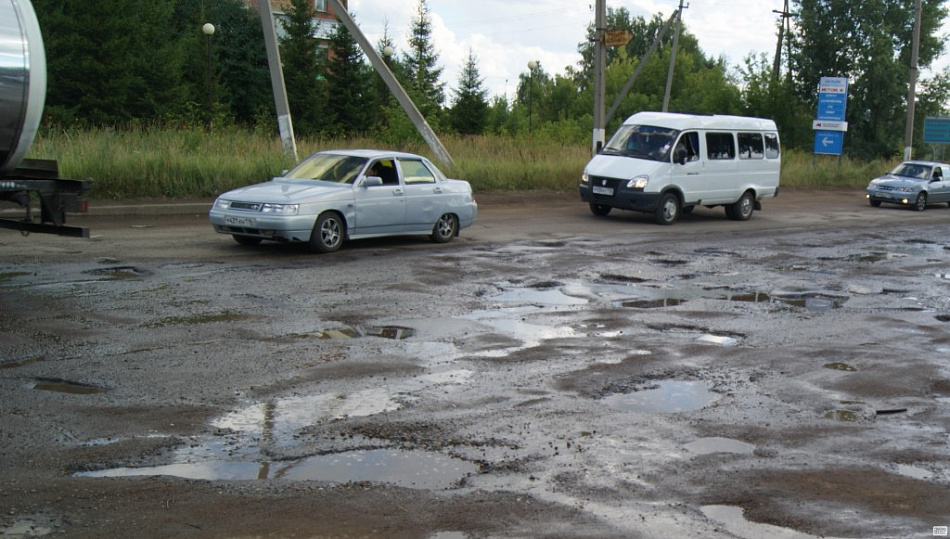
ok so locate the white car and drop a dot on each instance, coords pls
(338, 195)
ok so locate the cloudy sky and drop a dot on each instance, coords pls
(506, 34)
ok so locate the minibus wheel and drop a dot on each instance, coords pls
(599, 209)
(742, 209)
(668, 210)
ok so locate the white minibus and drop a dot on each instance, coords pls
(668, 163)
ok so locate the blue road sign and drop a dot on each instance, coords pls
(831, 107)
(829, 142)
(937, 130)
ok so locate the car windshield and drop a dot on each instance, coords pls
(329, 167)
(912, 170)
(642, 141)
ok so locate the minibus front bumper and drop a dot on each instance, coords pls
(624, 199)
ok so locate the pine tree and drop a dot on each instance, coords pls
(349, 90)
(303, 70)
(469, 115)
(421, 65)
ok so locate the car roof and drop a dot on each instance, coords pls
(372, 154)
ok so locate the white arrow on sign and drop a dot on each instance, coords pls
(827, 142)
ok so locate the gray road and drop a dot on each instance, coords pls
(547, 374)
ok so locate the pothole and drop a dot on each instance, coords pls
(708, 446)
(119, 272)
(64, 386)
(664, 396)
(396, 333)
(409, 469)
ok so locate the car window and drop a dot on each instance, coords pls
(720, 146)
(912, 170)
(751, 146)
(771, 146)
(414, 171)
(385, 169)
(328, 168)
(688, 146)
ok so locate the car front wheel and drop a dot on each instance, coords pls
(875, 203)
(328, 232)
(920, 204)
(445, 229)
(668, 210)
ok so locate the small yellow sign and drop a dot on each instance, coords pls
(617, 38)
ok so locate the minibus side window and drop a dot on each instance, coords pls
(750, 146)
(687, 149)
(720, 146)
(771, 146)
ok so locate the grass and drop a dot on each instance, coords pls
(159, 163)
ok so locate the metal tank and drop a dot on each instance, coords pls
(22, 81)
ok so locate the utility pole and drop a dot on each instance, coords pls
(676, 40)
(912, 90)
(277, 81)
(783, 26)
(600, 62)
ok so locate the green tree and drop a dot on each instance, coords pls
(303, 70)
(469, 114)
(421, 64)
(349, 88)
(110, 62)
(870, 43)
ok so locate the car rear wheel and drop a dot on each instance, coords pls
(446, 228)
(246, 240)
(668, 210)
(328, 232)
(599, 210)
(920, 204)
(742, 209)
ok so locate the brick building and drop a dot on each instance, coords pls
(323, 16)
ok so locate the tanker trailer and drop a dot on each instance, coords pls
(22, 96)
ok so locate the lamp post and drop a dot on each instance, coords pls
(532, 65)
(208, 30)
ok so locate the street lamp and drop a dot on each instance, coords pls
(532, 65)
(208, 30)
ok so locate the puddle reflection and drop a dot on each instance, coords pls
(668, 396)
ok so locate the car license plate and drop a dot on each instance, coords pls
(603, 191)
(240, 221)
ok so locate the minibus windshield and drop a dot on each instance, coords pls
(642, 141)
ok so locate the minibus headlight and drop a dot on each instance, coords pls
(640, 182)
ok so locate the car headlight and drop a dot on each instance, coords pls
(222, 204)
(907, 189)
(585, 178)
(280, 209)
(640, 182)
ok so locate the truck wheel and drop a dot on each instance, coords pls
(599, 209)
(742, 209)
(668, 210)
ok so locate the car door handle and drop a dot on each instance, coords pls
(437, 190)
(397, 192)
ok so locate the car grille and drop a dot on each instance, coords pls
(249, 206)
(885, 188)
(602, 181)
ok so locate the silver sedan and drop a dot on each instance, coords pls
(340, 195)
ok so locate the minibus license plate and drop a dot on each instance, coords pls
(603, 191)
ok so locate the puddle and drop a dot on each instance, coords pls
(721, 340)
(15, 364)
(63, 386)
(708, 446)
(386, 332)
(552, 296)
(665, 396)
(840, 367)
(914, 472)
(119, 272)
(653, 303)
(736, 524)
(511, 322)
(410, 469)
(842, 415)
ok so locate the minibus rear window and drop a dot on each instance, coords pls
(750, 146)
(771, 146)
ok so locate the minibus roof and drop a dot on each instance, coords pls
(680, 122)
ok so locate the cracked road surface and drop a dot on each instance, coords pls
(547, 374)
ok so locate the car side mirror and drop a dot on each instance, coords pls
(372, 181)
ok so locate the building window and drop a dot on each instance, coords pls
(320, 5)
